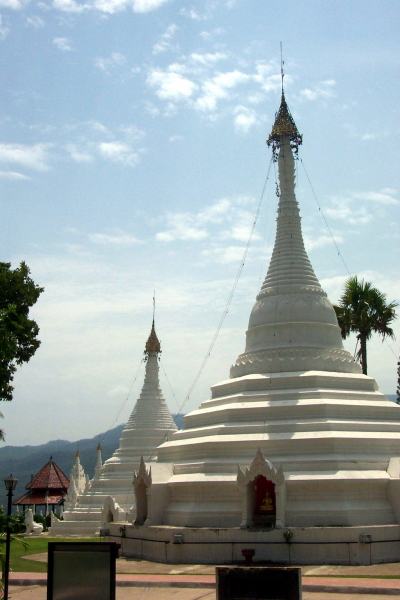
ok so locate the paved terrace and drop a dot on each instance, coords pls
(195, 582)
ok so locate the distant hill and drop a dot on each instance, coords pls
(24, 461)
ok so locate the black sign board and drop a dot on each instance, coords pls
(258, 583)
(81, 570)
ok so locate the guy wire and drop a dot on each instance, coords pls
(169, 383)
(323, 216)
(235, 284)
(125, 401)
(338, 251)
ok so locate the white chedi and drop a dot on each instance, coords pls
(110, 495)
(297, 404)
(78, 482)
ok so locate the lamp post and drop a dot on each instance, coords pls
(10, 484)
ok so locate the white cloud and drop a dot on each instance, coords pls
(219, 220)
(191, 226)
(13, 4)
(62, 43)
(115, 60)
(93, 139)
(34, 157)
(165, 42)
(208, 58)
(267, 77)
(119, 152)
(143, 6)
(35, 21)
(190, 13)
(99, 127)
(217, 87)
(105, 6)
(181, 226)
(342, 208)
(170, 85)
(245, 118)
(351, 210)
(13, 175)
(385, 196)
(208, 35)
(196, 82)
(310, 243)
(231, 254)
(4, 31)
(151, 109)
(321, 90)
(176, 138)
(132, 133)
(118, 239)
(69, 6)
(79, 155)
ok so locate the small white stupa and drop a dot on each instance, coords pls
(109, 495)
(296, 439)
(78, 482)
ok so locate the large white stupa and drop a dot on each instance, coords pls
(109, 496)
(296, 446)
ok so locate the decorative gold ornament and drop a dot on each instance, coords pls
(284, 125)
(152, 344)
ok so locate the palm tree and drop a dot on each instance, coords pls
(363, 309)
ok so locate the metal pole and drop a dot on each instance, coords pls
(8, 543)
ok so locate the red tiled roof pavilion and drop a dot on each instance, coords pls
(48, 486)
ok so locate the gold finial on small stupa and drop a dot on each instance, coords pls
(284, 125)
(153, 343)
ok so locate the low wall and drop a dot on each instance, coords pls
(312, 545)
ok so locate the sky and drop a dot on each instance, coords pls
(133, 159)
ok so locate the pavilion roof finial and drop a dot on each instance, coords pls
(284, 125)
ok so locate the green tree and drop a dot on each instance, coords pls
(363, 310)
(18, 333)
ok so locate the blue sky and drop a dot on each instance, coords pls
(133, 157)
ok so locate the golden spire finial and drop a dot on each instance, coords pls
(284, 125)
(153, 344)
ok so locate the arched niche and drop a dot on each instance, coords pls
(141, 485)
(262, 488)
(109, 517)
(110, 511)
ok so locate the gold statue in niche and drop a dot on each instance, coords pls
(267, 503)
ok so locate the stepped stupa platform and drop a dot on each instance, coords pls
(296, 454)
(109, 496)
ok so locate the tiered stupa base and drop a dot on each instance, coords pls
(364, 545)
(330, 433)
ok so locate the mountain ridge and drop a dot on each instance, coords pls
(25, 461)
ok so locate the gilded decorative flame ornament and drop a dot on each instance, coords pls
(284, 125)
(153, 343)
